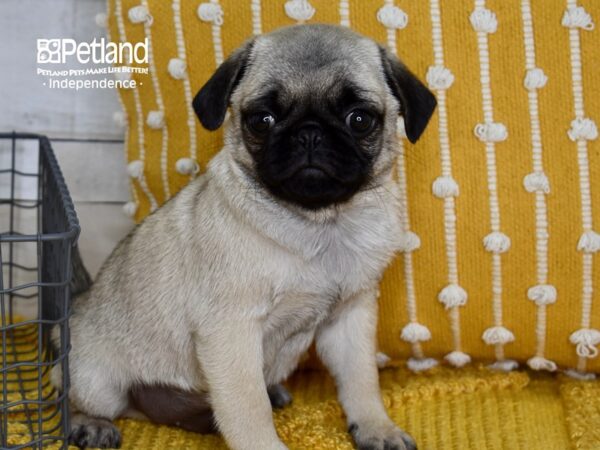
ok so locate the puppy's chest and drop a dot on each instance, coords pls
(306, 290)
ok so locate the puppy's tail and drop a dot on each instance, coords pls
(81, 280)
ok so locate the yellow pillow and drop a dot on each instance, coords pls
(503, 190)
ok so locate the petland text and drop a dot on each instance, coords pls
(59, 51)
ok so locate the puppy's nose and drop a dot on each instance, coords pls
(310, 136)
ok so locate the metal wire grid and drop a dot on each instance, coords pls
(33, 414)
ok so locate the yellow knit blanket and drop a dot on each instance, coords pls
(470, 408)
(445, 409)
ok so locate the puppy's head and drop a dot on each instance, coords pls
(314, 111)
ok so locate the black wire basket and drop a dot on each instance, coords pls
(38, 232)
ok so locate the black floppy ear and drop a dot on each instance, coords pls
(211, 102)
(417, 103)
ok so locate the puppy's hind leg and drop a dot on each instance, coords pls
(169, 405)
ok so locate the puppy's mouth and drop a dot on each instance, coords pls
(308, 167)
(316, 171)
(312, 186)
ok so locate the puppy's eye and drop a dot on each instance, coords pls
(360, 121)
(260, 123)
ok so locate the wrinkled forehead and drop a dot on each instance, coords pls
(317, 65)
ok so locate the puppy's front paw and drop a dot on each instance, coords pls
(92, 432)
(376, 436)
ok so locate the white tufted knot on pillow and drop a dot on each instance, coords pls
(496, 242)
(130, 208)
(211, 12)
(187, 166)
(582, 376)
(535, 79)
(453, 295)
(101, 20)
(586, 340)
(504, 365)
(392, 17)
(577, 17)
(155, 119)
(120, 118)
(445, 186)
(439, 77)
(540, 363)
(536, 182)
(491, 132)
(415, 332)
(409, 242)
(140, 14)
(135, 169)
(583, 128)
(484, 20)
(458, 359)
(420, 364)
(589, 242)
(498, 335)
(177, 68)
(299, 10)
(542, 294)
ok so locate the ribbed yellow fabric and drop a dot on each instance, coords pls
(580, 400)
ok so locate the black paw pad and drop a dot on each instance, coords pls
(279, 396)
(408, 445)
(97, 433)
(371, 437)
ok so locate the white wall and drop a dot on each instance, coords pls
(95, 172)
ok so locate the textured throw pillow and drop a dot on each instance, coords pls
(501, 196)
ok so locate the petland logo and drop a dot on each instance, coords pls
(121, 60)
(58, 51)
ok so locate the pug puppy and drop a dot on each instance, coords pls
(210, 302)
